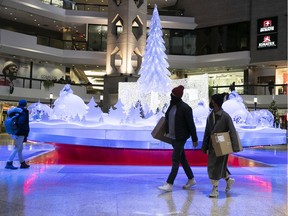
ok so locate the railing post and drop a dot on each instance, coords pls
(31, 73)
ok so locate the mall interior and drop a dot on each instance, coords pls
(94, 45)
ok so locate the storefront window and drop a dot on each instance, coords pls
(97, 37)
(226, 79)
(281, 78)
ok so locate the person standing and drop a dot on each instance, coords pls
(270, 86)
(232, 87)
(20, 137)
(179, 127)
(218, 121)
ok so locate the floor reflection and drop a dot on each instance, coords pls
(51, 187)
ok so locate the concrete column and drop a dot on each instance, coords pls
(126, 43)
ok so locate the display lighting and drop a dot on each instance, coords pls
(255, 103)
(94, 73)
(51, 98)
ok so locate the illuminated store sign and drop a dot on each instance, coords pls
(267, 41)
(267, 25)
(267, 33)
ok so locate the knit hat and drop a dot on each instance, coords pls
(22, 103)
(178, 91)
(218, 98)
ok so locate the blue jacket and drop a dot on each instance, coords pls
(23, 123)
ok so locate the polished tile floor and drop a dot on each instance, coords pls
(58, 189)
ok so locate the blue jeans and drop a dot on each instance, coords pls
(178, 156)
(18, 148)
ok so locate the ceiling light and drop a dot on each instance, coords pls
(97, 79)
(98, 87)
(94, 73)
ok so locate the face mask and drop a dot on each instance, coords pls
(211, 105)
(174, 100)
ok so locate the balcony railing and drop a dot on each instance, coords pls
(260, 89)
(33, 83)
(72, 5)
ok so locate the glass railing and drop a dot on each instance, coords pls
(56, 3)
(73, 5)
(263, 89)
(63, 44)
(279, 89)
(33, 83)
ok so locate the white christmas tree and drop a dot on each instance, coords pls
(117, 112)
(154, 75)
(94, 111)
(134, 115)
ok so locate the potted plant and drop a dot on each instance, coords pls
(48, 84)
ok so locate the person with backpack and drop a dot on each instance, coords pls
(20, 135)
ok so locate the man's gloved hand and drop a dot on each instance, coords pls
(195, 144)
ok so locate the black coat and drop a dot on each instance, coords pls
(184, 122)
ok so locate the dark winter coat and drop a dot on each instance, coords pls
(23, 123)
(184, 122)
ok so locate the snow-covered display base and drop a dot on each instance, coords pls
(71, 121)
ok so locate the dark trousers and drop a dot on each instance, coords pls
(178, 156)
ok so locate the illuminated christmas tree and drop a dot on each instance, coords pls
(154, 75)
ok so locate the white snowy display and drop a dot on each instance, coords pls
(235, 107)
(196, 88)
(154, 75)
(134, 115)
(68, 105)
(239, 113)
(117, 113)
(124, 129)
(263, 118)
(200, 113)
(39, 111)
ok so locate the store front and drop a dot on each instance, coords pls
(281, 78)
(226, 79)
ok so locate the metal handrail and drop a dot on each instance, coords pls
(253, 89)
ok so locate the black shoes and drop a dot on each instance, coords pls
(9, 165)
(24, 165)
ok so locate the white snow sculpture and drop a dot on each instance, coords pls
(94, 111)
(117, 113)
(200, 113)
(39, 111)
(235, 107)
(263, 118)
(68, 105)
(134, 115)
